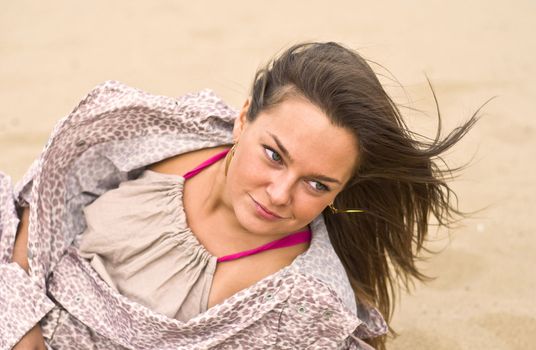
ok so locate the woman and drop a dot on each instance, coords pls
(154, 222)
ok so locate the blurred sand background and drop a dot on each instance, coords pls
(52, 53)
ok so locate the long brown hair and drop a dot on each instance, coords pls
(398, 180)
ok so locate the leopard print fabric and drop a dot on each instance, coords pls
(110, 137)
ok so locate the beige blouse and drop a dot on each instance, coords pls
(138, 241)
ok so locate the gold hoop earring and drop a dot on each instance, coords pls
(340, 211)
(229, 157)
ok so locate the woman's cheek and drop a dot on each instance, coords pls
(254, 169)
(307, 207)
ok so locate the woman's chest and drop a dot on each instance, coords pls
(230, 277)
(244, 268)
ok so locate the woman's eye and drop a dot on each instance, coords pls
(273, 155)
(318, 186)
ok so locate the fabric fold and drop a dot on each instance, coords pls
(29, 310)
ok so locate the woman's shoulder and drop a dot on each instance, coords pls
(182, 163)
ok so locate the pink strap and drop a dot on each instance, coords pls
(205, 164)
(287, 241)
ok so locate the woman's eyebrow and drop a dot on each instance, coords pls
(325, 178)
(281, 147)
(287, 154)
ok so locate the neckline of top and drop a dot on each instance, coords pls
(297, 237)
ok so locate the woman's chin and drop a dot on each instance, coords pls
(257, 225)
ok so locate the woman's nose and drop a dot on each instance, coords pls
(279, 191)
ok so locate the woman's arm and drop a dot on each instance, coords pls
(33, 340)
(21, 242)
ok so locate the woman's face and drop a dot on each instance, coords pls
(289, 164)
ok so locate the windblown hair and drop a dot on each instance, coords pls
(398, 180)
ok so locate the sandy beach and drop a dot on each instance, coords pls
(52, 53)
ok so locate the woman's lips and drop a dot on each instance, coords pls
(265, 213)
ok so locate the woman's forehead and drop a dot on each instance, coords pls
(308, 136)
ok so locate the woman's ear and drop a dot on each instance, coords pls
(241, 121)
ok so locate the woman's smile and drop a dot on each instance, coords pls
(265, 213)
